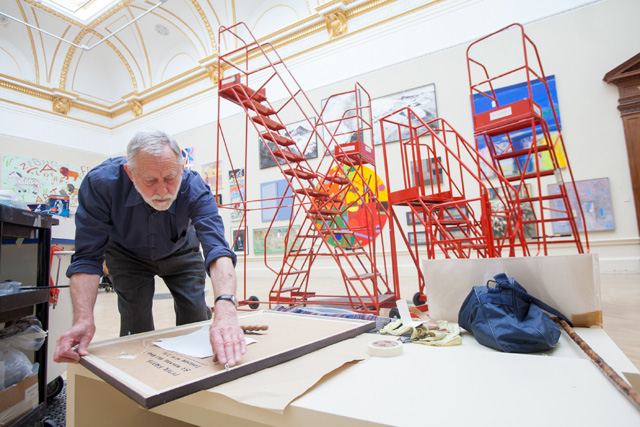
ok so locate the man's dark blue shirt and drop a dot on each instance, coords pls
(110, 208)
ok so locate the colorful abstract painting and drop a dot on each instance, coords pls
(366, 215)
(34, 180)
(212, 174)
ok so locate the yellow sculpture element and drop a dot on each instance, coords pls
(212, 70)
(61, 105)
(136, 107)
(336, 23)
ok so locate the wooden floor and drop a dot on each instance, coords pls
(620, 305)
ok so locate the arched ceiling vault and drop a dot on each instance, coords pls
(137, 52)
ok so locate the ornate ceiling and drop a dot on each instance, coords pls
(138, 56)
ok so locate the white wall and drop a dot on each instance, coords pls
(579, 42)
(578, 47)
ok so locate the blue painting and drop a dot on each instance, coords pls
(522, 139)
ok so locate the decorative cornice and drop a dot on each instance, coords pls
(306, 27)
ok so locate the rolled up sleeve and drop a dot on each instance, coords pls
(208, 224)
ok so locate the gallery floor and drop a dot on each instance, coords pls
(620, 304)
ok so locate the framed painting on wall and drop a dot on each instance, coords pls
(236, 193)
(238, 241)
(428, 179)
(421, 100)
(343, 131)
(499, 223)
(34, 180)
(276, 200)
(597, 207)
(418, 238)
(273, 241)
(212, 174)
(522, 139)
(302, 133)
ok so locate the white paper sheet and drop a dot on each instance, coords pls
(405, 315)
(195, 344)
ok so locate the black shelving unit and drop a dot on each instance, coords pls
(22, 224)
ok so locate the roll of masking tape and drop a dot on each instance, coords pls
(385, 348)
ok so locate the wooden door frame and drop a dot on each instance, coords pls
(626, 77)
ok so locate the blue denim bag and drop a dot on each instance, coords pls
(507, 318)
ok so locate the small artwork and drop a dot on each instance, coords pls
(212, 174)
(238, 242)
(418, 238)
(188, 156)
(236, 193)
(413, 218)
(595, 199)
(499, 222)
(276, 200)
(420, 175)
(421, 100)
(274, 240)
(302, 133)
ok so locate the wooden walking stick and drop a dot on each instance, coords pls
(608, 371)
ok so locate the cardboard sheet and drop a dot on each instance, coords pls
(274, 388)
(570, 283)
(151, 376)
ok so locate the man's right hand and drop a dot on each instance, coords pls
(79, 335)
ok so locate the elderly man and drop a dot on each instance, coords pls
(148, 216)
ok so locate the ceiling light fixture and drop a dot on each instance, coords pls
(82, 46)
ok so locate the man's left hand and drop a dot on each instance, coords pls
(227, 339)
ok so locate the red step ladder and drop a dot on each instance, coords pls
(336, 212)
(524, 144)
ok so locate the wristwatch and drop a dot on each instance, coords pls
(231, 298)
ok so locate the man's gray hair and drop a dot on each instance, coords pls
(152, 142)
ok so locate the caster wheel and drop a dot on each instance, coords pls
(254, 306)
(416, 299)
(54, 388)
(394, 313)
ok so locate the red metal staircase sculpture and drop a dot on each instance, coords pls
(336, 210)
(522, 135)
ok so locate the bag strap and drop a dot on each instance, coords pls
(509, 282)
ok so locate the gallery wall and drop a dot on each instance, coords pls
(574, 47)
(577, 47)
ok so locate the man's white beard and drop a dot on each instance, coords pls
(160, 203)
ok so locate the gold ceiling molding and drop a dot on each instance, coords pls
(212, 36)
(46, 94)
(61, 105)
(336, 23)
(164, 107)
(55, 54)
(367, 7)
(306, 27)
(42, 93)
(30, 107)
(71, 52)
(33, 46)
